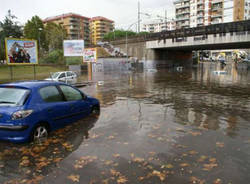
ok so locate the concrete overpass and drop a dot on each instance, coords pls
(204, 42)
(177, 46)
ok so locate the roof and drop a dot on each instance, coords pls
(48, 19)
(30, 84)
(101, 18)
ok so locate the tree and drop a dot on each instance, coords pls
(34, 29)
(8, 28)
(54, 35)
(117, 34)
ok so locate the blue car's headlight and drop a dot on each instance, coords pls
(21, 114)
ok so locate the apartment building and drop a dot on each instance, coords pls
(99, 26)
(182, 13)
(242, 10)
(158, 26)
(193, 13)
(77, 26)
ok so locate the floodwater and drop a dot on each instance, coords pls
(168, 126)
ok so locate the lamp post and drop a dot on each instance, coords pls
(127, 36)
(39, 41)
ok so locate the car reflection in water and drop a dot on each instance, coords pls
(34, 160)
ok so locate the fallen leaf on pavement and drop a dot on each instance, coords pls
(220, 144)
(116, 155)
(184, 165)
(74, 178)
(122, 179)
(161, 175)
(168, 166)
(217, 181)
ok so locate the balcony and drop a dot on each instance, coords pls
(186, 5)
(217, 1)
(74, 23)
(216, 8)
(180, 1)
(182, 18)
(216, 16)
(200, 22)
(200, 16)
(74, 20)
(183, 24)
(183, 12)
(200, 8)
(200, 3)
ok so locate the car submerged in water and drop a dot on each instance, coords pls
(68, 77)
(29, 110)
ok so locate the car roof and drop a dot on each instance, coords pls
(30, 84)
(64, 71)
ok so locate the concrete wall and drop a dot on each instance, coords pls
(157, 58)
(210, 42)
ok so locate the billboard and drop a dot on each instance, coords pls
(90, 55)
(73, 47)
(21, 51)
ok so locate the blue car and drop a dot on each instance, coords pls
(29, 110)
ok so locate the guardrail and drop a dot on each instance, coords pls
(232, 27)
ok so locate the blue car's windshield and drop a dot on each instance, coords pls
(12, 96)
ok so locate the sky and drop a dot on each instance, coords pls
(123, 12)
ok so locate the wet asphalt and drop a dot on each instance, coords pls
(190, 126)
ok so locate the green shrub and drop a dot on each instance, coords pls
(54, 57)
(74, 60)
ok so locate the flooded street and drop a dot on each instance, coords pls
(168, 126)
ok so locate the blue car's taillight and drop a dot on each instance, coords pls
(21, 114)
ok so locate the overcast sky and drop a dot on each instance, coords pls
(123, 12)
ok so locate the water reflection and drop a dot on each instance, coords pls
(27, 162)
(150, 112)
(197, 97)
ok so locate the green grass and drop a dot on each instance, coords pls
(27, 72)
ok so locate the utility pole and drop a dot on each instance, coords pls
(139, 16)
(166, 16)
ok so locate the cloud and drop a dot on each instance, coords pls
(123, 12)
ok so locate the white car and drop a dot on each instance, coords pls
(64, 76)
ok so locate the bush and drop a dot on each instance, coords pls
(74, 60)
(54, 57)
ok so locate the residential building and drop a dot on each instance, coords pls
(158, 26)
(242, 10)
(193, 13)
(77, 26)
(99, 26)
(182, 13)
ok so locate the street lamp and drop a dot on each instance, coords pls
(127, 36)
(39, 42)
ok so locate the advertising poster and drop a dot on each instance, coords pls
(73, 47)
(90, 55)
(21, 51)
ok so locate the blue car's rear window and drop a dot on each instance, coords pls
(12, 96)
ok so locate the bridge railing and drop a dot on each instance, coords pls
(223, 28)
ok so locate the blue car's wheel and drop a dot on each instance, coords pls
(96, 110)
(40, 133)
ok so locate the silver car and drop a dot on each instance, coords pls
(69, 77)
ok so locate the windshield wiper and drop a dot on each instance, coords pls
(5, 102)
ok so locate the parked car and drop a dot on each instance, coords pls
(29, 110)
(212, 58)
(69, 77)
(247, 59)
(221, 59)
